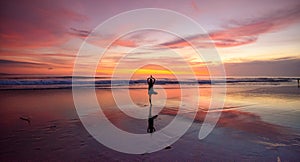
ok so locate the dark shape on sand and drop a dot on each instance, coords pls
(151, 118)
(26, 119)
(151, 128)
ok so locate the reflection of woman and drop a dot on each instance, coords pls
(151, 118)
(151, 82)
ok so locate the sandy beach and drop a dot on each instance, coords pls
(253, 127)
(146, 80)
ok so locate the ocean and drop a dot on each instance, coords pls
(50, 82)
(260, 119)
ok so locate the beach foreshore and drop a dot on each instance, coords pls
(245, 132)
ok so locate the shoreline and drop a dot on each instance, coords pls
(56, 133)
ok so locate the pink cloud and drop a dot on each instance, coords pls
(101, 40)
(243, 32)
(36, 24)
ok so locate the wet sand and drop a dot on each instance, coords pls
(253, 127)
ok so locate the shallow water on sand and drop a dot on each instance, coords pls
(257, 123)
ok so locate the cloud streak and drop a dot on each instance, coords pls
(11, 66)
(15, 63)
(79, 33)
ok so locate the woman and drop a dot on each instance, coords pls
(151, 82)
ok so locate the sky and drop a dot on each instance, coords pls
(253, 38)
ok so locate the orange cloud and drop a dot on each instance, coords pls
(125, 43)
(153, 69)
(29, 66)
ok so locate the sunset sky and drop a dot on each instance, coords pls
(253, 38)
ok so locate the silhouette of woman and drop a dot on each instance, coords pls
(151, 118)
(151, 82)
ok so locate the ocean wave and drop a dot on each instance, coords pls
(68, 81)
